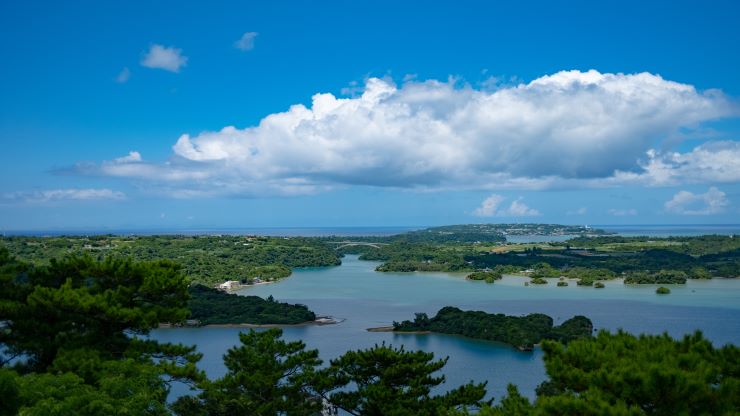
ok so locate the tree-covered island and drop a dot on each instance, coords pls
(521, 332)
(211, 306)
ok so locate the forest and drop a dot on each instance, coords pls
(588, 259)
(204, 259)
(211, 306)
(521, 332)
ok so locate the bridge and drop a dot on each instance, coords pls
(342, 244)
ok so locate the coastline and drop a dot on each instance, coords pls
(390, 329)
(320, 321)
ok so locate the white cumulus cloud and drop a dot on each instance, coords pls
(492, 207)
(246, 42)
(162, 57)
(711, 162)
(569, 129)
(713, 201)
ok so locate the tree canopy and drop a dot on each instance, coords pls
(623, 374)
(72, 335)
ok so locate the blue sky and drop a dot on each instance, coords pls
(438, 113)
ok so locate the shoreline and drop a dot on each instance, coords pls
(390, 329)
(319, 321)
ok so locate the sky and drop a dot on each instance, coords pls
(185, 115)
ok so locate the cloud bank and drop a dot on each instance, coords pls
(570, 129)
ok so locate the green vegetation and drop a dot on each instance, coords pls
(587, 259)
(599, 285)
(71, 339)
(71, 342)
(488, 276)
(484, 233)
(520, 332)
(693, 246)
(538, 281)
(471, 233)
(268, 376)
(544, 270)
(662, 290)
(204, 259)
(211, 306)
(621, 374)
(661, 277)
(587, 277)
(699, 273)
(384, 380)
(562, 283)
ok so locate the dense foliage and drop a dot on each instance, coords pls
(71, 343)
(621, 374)
(587, 277)
(211, 306)
(519, 331)
(268, 376)
(489, 276)
(387, 381)
(205, 259)
(660, 277)
(587, 259)
(71, 334)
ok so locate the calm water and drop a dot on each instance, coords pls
(365, 298)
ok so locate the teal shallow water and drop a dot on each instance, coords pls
(365, 298)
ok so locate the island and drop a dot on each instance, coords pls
(521, 332)
(214, 307)
(489, 276)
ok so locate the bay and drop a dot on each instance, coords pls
(364, 298)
